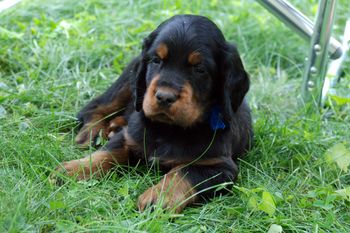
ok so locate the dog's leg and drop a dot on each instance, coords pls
(184, 184)
(95, 115)
(174, 191)
(98, 163)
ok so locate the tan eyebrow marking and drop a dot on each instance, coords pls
(195, 58)
(162, 51)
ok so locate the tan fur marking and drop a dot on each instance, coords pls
(115, 124)
(149, 104)
(97, 164)
(194, 58)
(162, 51)
(118, 121)
(174, 192)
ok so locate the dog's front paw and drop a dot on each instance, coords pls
(95, 165)
(115, 125)
(75, 168)
(172, 193)
(91, 131)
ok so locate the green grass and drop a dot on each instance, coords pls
(56, 55)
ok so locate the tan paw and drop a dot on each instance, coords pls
(91, 131)
(115, 125)
(72, 169)
(97, 164)
(88, 134)
(173, 193)
(77, 169)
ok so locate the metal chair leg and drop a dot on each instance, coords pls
(321, 42)
(315, 70)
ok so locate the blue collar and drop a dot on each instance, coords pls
(216, 121)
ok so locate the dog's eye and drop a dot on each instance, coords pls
(199, 69)
(156, 60)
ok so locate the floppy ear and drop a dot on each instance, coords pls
(140, 68)
(235, 83)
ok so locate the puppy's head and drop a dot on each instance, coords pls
(186, 68)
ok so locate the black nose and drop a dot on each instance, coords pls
(165, 98)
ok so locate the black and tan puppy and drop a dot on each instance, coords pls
(179, 104)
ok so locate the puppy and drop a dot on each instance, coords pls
(180, 105)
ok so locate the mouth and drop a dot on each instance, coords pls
(161, 117)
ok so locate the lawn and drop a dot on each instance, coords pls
(55, 55)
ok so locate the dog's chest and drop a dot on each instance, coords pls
(168, 144)
(174, 147)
